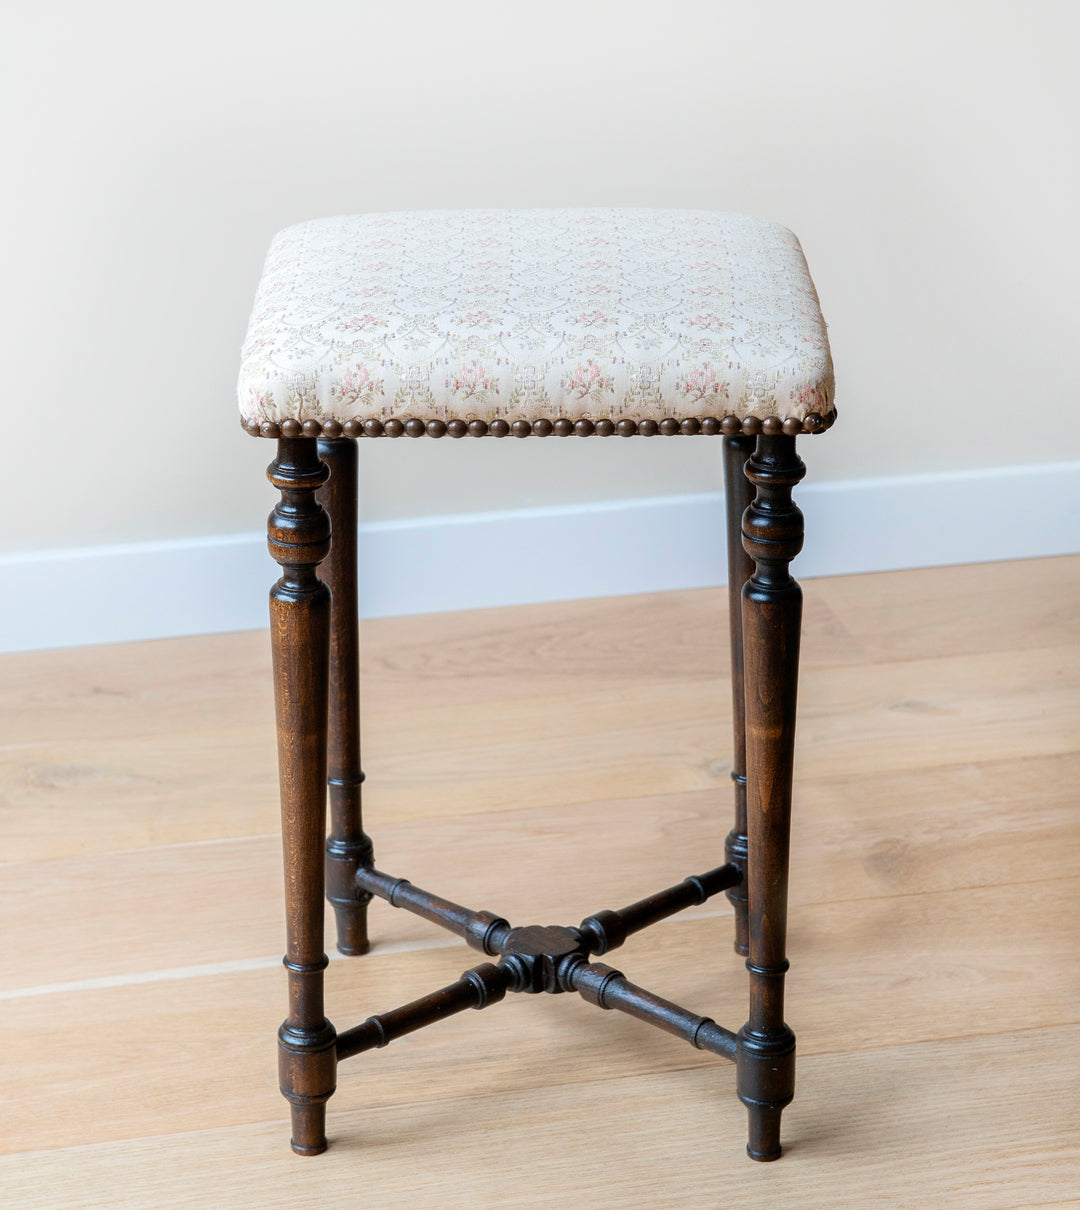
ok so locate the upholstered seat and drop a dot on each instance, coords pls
(536, 321)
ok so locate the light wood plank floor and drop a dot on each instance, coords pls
(935, 889)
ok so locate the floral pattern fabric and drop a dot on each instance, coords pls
(532, 314)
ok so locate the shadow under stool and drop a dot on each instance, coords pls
(542, 323)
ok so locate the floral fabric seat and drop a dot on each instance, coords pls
(536, 321)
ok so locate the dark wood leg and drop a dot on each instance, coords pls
(347, 848)
(299, 539)
(772, 612)
(740, 566)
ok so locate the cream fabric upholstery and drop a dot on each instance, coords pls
(533, 314)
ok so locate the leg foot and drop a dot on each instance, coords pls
(352, 928)
(309, 1129)
(764, 1144)
(765, 1078)
(344, 856)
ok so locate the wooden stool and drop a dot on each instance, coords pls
(530, 322)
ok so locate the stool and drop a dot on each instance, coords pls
(626, 322)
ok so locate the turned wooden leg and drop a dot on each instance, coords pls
(772, 611)
(299, 539)
(347, 847)
(738, 493)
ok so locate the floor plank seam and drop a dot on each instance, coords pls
(207, 970)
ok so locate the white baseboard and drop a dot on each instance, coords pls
(146, 590)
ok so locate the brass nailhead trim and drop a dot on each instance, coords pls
(729, 426)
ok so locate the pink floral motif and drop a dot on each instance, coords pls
(812, 397)
(702, 385)
(361, 322)
(816, 341)
(710, 322)
(590, 319)
(357, 386)
(475, 318)
(586, 382)
(471, 380)
(261, 403)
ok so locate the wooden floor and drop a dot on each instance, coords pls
(935, 988)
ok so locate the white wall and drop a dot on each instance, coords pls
(926, 153)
